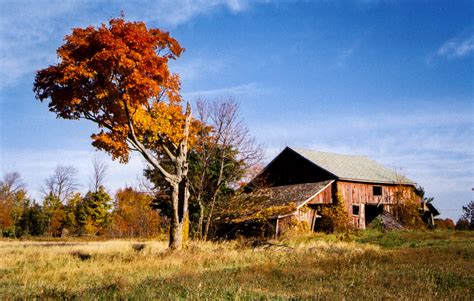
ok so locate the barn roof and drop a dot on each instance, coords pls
(355, 168)
(270, 202)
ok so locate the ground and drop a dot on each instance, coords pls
(362, 265)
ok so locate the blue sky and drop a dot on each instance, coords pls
(391, 79)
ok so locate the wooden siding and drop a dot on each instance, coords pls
(323, 197)
(361, 194)
(284, 224)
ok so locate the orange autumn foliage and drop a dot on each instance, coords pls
(117, 76)
(133, 216)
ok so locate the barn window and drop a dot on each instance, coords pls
(355, 209)
(377, 190)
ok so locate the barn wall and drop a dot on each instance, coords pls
(361, 194)
(284, 224)
(354, 193)
(324, 197)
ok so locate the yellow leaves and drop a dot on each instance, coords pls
(266, 213)
(101, 94)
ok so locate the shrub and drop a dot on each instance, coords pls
(444, 224)
(334, 218)
(408, 214)
(466, 222)
(377, 224)
(299, 226)
(462, 225)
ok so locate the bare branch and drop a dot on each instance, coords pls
(62, 183)
(99, 172)
(11, 184)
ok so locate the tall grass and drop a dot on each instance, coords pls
(366, 265)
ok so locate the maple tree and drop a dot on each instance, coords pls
(117, 76)
(133, 216)
(12, 199)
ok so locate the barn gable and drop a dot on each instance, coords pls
(289, 168)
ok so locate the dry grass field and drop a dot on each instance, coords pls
(364, 265)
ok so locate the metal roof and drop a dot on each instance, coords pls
(355, 168)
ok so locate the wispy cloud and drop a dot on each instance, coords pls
(176, 12)
(457, 47)
(344, 56)
(346, 53)
(40, 165)
(244, 89)
(191, 69)
(27, 36)
(432, 147)
(30, 31)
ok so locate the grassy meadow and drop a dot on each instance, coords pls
(362, 265)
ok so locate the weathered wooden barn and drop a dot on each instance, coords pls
(294, 186)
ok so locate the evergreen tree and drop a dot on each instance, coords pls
(55, 216)
(94, 211)
(33, 221)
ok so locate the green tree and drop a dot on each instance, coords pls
(93, 212)
(223, 153)
(55, 215)
(466, 221)
(71, 212)
(13, 198)
(221, 156)
(33, 220)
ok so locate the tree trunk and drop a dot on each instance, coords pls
(179, 228)
(214, 196)
(201, 216)
(209, 215)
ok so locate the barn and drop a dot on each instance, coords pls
(295, 185)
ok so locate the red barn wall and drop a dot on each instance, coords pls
(361, 194)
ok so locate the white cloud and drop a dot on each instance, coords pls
(237, 5)
(457, 47)
(176, 12)
(30, 31)
(28, 34)
(244, 89)
(190, 69)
